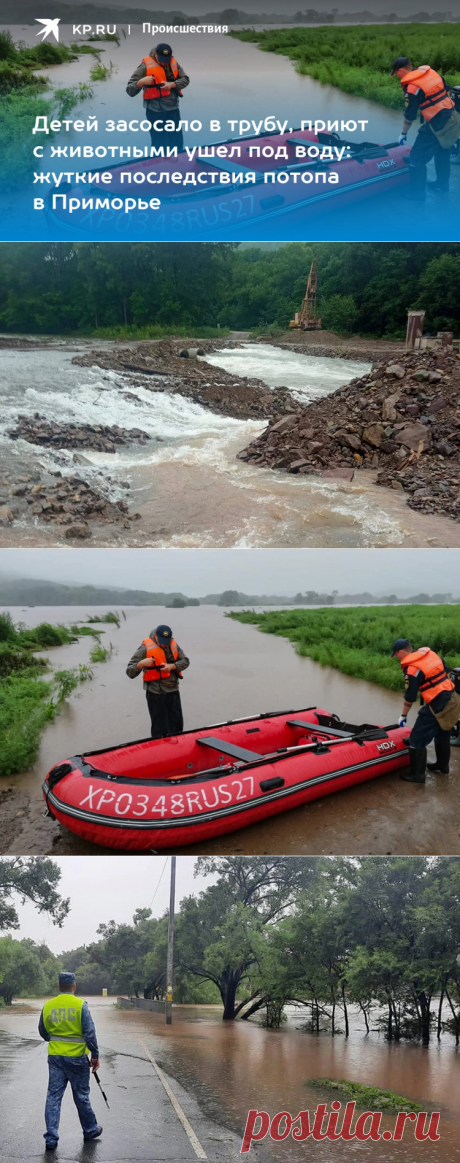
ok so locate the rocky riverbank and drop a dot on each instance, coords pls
(70, 503)
(37, 429)
(227, 394)
(402, 419)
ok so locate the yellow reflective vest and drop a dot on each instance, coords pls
(62, 1021)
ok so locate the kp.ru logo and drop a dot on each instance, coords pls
(50, 26)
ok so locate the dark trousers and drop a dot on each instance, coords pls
(165, 137)
(425, 729)
(165, 714)
(426, 146)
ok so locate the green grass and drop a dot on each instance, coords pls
(358, 641)
(358, 59)
(22, 101)
(28, 700)
(159, 331)
(100, 72)
(367, 1097)
(27, 704)
(101, 653)
(111, 617)
(18, 111)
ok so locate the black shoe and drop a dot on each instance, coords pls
(437, 767)
(50, 1146)
(417, 772)
(97, 1135)
(436, 186)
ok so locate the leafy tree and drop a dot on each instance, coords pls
(21, 971)
(32, 878)
(220, 935)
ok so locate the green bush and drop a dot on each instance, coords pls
(358, 641)
(357, 59)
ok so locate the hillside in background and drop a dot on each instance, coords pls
(36, 592)
(98, 289)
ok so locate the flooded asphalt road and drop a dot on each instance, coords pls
(235, 671)
(219, 1071)
(141, 1124)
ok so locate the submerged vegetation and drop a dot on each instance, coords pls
(22, 92)
(358, 641)
(343, 939)
(30, 696)
(358, 59)
(366, 1097)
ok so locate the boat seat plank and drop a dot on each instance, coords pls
(227, 748)
(322, 730)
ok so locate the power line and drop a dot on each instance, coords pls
(159, 882)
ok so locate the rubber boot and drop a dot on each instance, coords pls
(417, 772)
(417, 184)
(441, 765)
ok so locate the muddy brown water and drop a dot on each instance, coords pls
(234, 1067)
(187, 485)
(235, 671)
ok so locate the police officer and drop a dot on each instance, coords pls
(426, 675)
(161, 661)
(162, 79)
(66, 1024)
(426, 93)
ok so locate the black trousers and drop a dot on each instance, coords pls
(165, 714)
(426, 147)
(426, 728)
(165, 137)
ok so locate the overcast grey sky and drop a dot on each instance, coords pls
(105, 888)
(202, 571)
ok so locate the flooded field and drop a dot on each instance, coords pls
(235, 671)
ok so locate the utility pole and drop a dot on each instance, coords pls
(170, 956)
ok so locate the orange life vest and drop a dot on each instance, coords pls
(435, 675)
(157, 72)
(159, 659)
(436, 96)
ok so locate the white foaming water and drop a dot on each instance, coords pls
(47, 382)
(309, 377)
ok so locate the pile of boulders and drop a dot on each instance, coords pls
(37, 429)
(402, 419)
(164, 369)
(68, 502)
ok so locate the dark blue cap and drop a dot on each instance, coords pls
(67, 979)
(400, 644)
(164, 635)
(399, 63)
(164, 52)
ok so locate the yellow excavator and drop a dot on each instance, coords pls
(307, 319)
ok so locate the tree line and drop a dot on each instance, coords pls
(149, 288)
(378, 936)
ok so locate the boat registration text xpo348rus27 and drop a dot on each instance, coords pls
(163, 793)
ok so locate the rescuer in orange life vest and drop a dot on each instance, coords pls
(161, 661)
(426, 93)
(426, 675)
(162, 79)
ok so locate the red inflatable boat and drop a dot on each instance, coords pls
(165, 793)
(362, 169)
